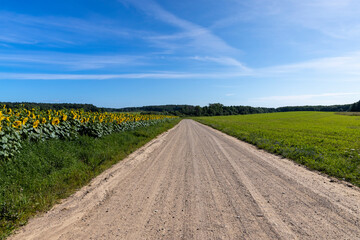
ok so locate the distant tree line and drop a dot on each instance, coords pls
(217, 109)
(332, 108)
(48, 106)
(213, 109)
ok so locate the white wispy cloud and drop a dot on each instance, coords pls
(151, 75)
(41, 76)
(27, 29)
(333, 18)
(333, 68)
(69, 61)
(227, 61)
(201, 39)
(62, 31)
(341, 65)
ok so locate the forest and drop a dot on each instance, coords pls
(213, 109)
(218, 109)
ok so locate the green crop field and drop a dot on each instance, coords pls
(323, 141)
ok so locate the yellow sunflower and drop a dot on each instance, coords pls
(36, 124)
(17, 124)
(55, 121)
(25, 121)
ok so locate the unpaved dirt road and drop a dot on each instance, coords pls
(194, 182)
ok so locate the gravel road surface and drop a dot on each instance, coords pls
(194, 182)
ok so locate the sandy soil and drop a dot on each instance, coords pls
(194, 182)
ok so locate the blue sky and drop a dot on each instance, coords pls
(119, 53)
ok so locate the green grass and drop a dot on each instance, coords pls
(323, 141)
(47, 171)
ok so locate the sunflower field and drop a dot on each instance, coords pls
(20, 124)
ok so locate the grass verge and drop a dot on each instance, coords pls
(322, 141)
(45, 172)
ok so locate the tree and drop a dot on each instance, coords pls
(198, 111)
(355, 107)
